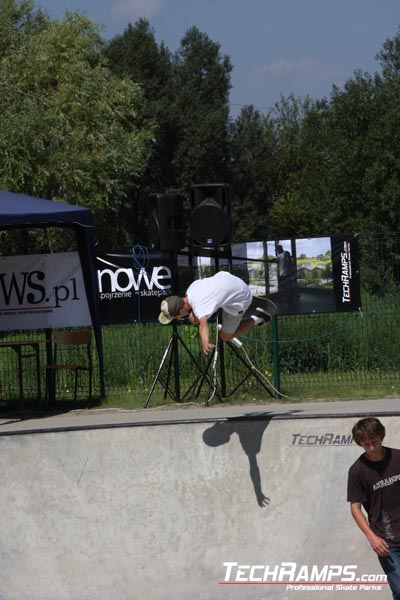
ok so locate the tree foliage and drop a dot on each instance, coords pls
(70, 129)
(333, 165)
(254, 155)
(202, 79)
(187, 96)
(103, 124)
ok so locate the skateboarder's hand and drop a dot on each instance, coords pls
(207, 347)
(204, 335)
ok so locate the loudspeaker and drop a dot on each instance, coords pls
(210, 219)
(165, 221)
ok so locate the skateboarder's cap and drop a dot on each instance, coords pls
(170, 308)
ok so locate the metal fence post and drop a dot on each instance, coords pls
(275, 356)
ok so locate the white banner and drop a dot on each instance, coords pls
(42, 290)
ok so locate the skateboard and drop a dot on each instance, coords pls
(262, 306)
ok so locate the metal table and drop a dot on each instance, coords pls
(19, 347)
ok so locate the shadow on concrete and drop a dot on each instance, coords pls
(250, 435)
(250, 431)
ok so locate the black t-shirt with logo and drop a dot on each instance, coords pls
(376, 485)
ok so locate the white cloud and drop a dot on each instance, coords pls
(309, 67)
(134, 9)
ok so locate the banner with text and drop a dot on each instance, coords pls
(41, 291)
(301, 276)
(129, 292)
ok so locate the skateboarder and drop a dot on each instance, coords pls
(204, 297)
(374, 484)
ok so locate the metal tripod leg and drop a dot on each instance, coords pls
(213, 370)
(250, 372)
(158, 375)
(174, 360)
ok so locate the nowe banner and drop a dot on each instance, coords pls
(42, 290)
(131, 293)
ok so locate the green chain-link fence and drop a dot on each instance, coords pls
(312, 356)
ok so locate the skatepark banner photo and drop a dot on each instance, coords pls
(303, 276)
(323, 276)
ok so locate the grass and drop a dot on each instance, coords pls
(322, 357)
(313, 388)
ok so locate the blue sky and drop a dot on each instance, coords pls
(277, 47)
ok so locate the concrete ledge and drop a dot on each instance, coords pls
(176, 414)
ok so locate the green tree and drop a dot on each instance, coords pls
(18, 19)
(71, 131)
(355, 178)
(382, 177)
(135, 54)
(270, 156)
(254, 152)
(333, 165)
(187, 100)
(202, 84)
(347, 154)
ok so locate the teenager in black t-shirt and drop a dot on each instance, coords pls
(374, 484)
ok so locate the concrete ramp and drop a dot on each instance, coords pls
(240, 508)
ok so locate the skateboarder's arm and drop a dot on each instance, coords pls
(204, 335)
(378, 544)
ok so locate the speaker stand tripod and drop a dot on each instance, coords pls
(171, 354)
(220, 391)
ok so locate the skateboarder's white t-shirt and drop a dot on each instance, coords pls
(222, 290)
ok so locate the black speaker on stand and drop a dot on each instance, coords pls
(211, 227)
(166, 233)
(210, 218)
(165, 222)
